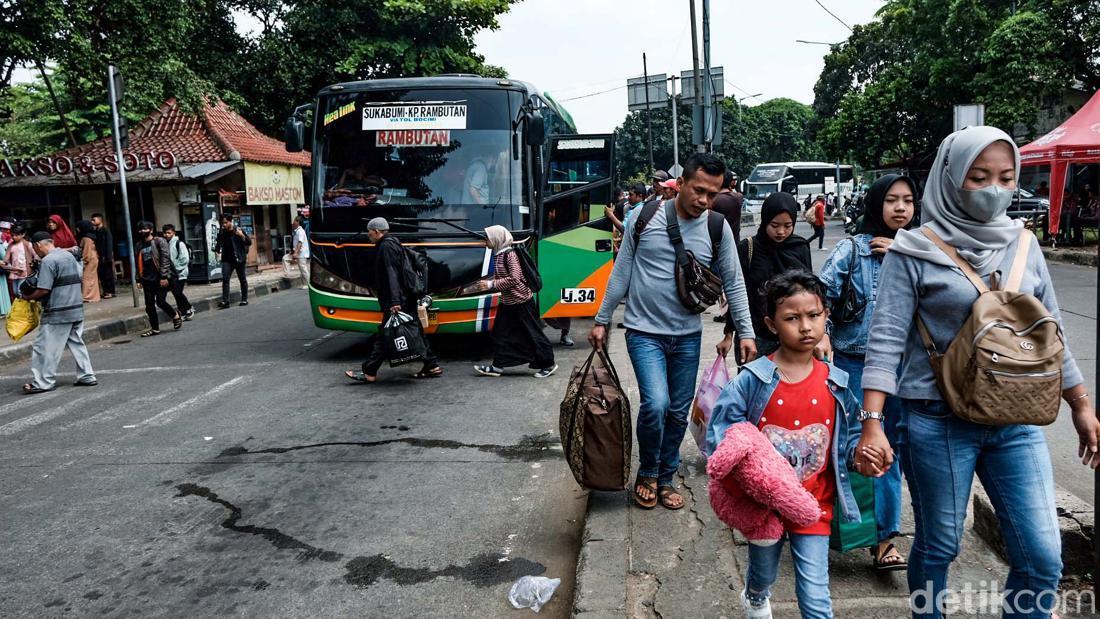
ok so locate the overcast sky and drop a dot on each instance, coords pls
(572, 48)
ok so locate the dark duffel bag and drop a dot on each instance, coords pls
(595, 425)
(402, 339)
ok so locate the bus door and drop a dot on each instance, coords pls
(575, 236)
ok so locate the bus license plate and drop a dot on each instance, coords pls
(578, 295)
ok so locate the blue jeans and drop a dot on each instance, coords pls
(887, 487)
(942, 452)
(811, 569)
(666, 367)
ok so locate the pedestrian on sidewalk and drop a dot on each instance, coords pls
(5, 247)
(663, 337)
(806, 409)
(818, 214)
(232, 249)
(62, 322)
(517, 331)
(394, 289)
(60, 233)
(728, 202)
(965, 204)
(89, 257)
(298, 257)
(179, 254)
(18, 263)
(155, 277)
(105, 245)
(773, 250)
(852, 275)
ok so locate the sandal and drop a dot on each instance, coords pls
(665, 494)
(177, 321)
(151, 333)
(889, 560)
(650, 484)
(359, 377)
(29, 389)
(435, 372)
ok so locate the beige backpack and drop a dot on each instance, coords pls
(1005, 364)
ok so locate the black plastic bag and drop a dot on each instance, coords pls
(402, 339)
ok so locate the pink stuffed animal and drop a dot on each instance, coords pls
(752, 487)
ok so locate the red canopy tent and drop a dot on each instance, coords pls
(1076, 141)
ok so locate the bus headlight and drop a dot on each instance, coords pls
(474, 288)
(325, 280)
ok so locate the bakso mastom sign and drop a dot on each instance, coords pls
(423, 115)
(85, 165)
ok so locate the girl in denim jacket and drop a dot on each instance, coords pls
(851, 276)
(808, 413)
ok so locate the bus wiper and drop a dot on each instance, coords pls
(448, 222)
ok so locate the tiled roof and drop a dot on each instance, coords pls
(222, 135)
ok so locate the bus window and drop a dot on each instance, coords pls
(571, 211)
(575, 162)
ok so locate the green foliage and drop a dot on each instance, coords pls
(190, 49)
(777, 130)
(888, 91)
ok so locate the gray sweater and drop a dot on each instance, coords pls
(943, 297)
(645, 276)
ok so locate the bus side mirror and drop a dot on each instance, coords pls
(536, 129)
(295, 135)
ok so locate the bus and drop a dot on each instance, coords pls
(800, 178)
(442, 158)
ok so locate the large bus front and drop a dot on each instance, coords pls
(439, 165)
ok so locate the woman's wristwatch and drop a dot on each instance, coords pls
(864, 415)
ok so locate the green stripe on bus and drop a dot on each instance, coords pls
(370, 304)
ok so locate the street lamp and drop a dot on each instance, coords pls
(742, 99)
(816, 43)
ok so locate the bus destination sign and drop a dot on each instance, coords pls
(423, 115)
(413, 137)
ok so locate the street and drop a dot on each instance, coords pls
(230, 468)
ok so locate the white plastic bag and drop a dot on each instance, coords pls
(532, 592)
(714, 379)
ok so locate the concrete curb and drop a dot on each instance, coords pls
(1075, 523)
(1081, 258)
(600, 589)
(136, 321)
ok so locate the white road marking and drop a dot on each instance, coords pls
(27, 402)
(157, 368)
(165, 416)
(119, 411)
(39, 418)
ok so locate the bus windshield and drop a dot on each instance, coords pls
(417, 154)
(767, 174)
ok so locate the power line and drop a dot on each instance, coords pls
(833, 14)
(593, 94)
(737, 87)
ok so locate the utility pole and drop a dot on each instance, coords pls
(675, 121)
(700, 146)
(708, 86)
(114, 93)
(648, 125)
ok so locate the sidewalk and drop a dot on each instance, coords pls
(686, 563)
(118, 316)
(1084, 256)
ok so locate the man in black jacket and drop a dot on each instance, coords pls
(155, 269)
(232, 247)
(105, 246)
(389, 269)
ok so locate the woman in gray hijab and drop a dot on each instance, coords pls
(965, 202)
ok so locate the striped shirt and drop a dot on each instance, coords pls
(508, 278)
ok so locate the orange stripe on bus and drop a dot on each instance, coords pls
(353, 315)
(597, 280)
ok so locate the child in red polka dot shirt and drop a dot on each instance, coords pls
(803, 406)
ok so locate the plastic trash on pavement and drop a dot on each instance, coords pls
(532, 592)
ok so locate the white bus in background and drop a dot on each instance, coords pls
(799, 178)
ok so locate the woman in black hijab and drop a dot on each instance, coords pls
(851, 276)
(774, 249)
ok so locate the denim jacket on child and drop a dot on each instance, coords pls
(746, 396)
(851, 338)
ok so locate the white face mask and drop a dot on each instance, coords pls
(985, 204)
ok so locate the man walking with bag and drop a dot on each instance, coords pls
(232, 248)
(62, 323)
(391, 268)
(180, 255)
(663, 335)
(298, 256)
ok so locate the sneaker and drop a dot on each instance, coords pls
(488, 370)
(546, 372)
(189, 314)
(755, 612)
(243, 303)
(567, 341)
(223, 304)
